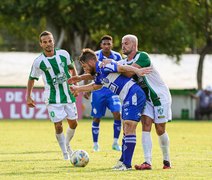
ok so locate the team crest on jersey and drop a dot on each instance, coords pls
(62, 64)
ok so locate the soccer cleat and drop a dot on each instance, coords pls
(65, 156)
(96, 148)
(144, 166)
(166, 165)
(69, 150)
(116, 147)
(123, 167)
(118, 164)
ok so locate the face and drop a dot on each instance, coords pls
(89, 67)
(127, 46)
(106, 46)
(47, 43)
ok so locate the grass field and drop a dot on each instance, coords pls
(28, 150)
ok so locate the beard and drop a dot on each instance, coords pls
(92, 73)
(48, 48)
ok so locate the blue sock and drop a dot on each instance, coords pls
(117, 128)
(122, 151)
(130, 142)
(95, 131)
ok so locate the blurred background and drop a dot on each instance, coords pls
(176, 34)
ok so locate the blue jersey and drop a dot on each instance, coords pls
(116, 82)
(104, 98)
(113, 55)
(128, 90)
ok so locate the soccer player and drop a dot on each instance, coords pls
(158, 105)
(104, 98)
(54, 65)
(132, 95)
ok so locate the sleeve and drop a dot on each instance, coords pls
(35, 72)
(143, 59)
(110, 68)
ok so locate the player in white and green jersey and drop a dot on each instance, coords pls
(158, 106)
(54, 66)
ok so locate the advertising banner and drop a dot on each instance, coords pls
(13, 104)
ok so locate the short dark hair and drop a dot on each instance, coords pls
(106, 37)
(44, 33)
(86, 55)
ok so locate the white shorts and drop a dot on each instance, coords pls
(159, 114)
(58, 112)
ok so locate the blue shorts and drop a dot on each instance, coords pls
(102, 99)
(133, 105)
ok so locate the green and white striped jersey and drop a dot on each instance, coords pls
(55, 72)
(154, 87)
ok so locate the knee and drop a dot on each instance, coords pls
(58, 127)
(117, 115)
(97, 120)
(160, 130)
(73, 124)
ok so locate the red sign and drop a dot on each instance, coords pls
(13, 104)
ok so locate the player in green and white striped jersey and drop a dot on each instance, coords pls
(158, 106)
(54, 66)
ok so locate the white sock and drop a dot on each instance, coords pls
(61, 141)
(69, 135)
(147, 146)
(164, 145)
(115, 141)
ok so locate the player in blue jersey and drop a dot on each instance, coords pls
(104, 98)
(128, 90)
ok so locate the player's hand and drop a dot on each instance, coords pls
(74, 80)
(30, 102)
(86, 95)
(144, 71)
(74, 90)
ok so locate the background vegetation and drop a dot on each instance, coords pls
(170, 27)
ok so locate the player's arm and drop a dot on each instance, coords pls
(75, 79)
(30, 102)
(84, 88)
(133, 70)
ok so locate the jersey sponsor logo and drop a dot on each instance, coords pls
(105, 80)
(59, 79)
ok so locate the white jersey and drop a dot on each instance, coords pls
(54, 71)
(156, 90)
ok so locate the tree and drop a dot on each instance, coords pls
(168, 27)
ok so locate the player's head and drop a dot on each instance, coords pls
(88, 61)
(106, 43)
(129, 44)
(47, 41)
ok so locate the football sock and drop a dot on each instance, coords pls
(95, 131)
(130, 142)
(61, 141)
(69, 135)
(147, 146)
(117, 130)
(122, 151)
(164, 145)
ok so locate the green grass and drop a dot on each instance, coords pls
(28, 150)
